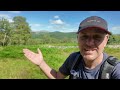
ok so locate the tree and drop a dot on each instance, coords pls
(22, 31)
(5, 31)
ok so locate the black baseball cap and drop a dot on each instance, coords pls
(94, 21)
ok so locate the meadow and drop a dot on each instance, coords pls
(14, 65)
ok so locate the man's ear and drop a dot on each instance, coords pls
(108, 36)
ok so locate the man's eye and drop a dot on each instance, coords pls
(97, 37)
(84, 37)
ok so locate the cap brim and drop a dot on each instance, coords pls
(94, 27)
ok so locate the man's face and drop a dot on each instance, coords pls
(92, 42)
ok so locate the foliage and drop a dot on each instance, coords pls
(114, 39)
(16, 32)
(54, 37)
(5, 31)
(21, 32)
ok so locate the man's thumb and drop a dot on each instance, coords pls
(39, 51)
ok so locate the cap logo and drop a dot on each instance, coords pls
(93, 21)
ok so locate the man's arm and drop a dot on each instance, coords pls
(51, 73)
(37, 58)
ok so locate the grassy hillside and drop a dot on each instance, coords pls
(57, 35)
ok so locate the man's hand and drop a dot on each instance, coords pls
(36, 58)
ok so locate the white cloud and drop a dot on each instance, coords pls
(15, 12)
(10, 20)
(56, 16)
(49, 27)
(115, 30)
(36, 26)
(58, 22)
(6, 17)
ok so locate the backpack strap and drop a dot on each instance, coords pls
(107, 67)
(74, 74)
(75, 62)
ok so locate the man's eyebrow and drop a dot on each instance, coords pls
(83, 32)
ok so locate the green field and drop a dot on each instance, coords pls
(13, 64)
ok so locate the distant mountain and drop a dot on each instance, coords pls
(39, 31)
(55, 34)
(56, 31)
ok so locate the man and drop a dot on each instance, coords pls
(92, 38)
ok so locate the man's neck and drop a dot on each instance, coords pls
(91, 64)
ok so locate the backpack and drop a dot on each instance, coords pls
(105, 69)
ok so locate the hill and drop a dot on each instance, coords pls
(56, 35)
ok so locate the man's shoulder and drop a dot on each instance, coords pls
(75, 53)
(116, 70)
(113, 60)
(73, 56)
(110, 67)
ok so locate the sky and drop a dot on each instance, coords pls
(63, 21)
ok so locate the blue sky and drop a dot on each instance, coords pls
(64, 21)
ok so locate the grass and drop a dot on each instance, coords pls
(13, 64)
(18, 69)
(113, 52)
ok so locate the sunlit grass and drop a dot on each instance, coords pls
(19, 69)
(13, 64)
(113, 52)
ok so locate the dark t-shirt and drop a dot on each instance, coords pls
(87, 73)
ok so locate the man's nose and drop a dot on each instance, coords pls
(90, 41)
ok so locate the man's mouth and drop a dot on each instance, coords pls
(89, 51)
